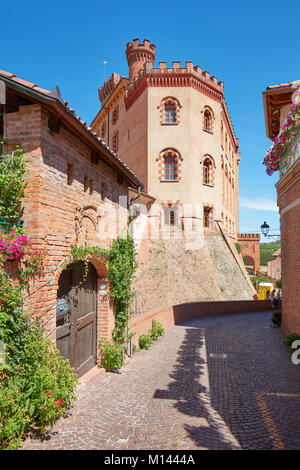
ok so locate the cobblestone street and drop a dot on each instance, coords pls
(223, 382)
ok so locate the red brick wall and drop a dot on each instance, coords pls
(288, 192)
(51, 206)
(172, 315)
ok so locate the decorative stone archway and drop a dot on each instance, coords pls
(250, 246)
(105, 318)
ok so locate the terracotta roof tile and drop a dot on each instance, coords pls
(24, 82)
(7, 74)
(35, 87)
(281, 85)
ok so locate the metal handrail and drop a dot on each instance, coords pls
(7, 222)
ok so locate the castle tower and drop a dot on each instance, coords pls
(137, 55)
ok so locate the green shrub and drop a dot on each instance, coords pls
(290, 339)
(259, 279)
(145, 341)
(113, 356)
(266, 252)
(157, 330)
(36, 383)
(276, 318)
(238, 247)
(278, 283)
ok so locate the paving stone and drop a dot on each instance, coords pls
(177, 396)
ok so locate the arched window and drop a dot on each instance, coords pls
(170, 215)
(169, 111)
(206, 216)
(207, 171)
(208, 166)
(169, 167)
(115, 114)
(207, 120)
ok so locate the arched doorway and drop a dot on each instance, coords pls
(76, 316)
(250, 247)
(249, 264)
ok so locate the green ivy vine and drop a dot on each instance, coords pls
(36, 383)
(121, 263)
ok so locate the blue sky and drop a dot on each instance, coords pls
(248, 45)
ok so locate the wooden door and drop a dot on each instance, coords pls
(76, 317)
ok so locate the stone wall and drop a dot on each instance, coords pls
(288, 190)
(176, 314)
(168, 273)
(68, 199)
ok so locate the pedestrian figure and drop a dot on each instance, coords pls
(274, 299)
(268, 295)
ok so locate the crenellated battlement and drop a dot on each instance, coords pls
(108, 86)
(188, 69)
(164, 74)
(137, 55)
(136, 44)
(248, 236)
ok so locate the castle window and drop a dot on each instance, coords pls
(115, 115)
(169, 166)
(170, 116)
(170, 215)
(169, 111)
(207, 121)
(206, 173)
(208, 170)
(206, 216)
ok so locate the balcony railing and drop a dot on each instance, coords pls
(288, 158)
(6, 223)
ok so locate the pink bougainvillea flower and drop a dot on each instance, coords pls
(285, 140)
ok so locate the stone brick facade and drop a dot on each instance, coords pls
(277, 103)
(250, 246)
(180, 113)
(274, 266)
(74, 186)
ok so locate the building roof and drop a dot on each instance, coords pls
(53, 98)
(274, 98)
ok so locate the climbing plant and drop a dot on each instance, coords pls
(36, 383)
(121, 263)
(12, 184)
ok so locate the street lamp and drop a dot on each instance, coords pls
(265, 229)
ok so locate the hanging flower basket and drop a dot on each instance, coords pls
(14, 247)
(285, 141)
